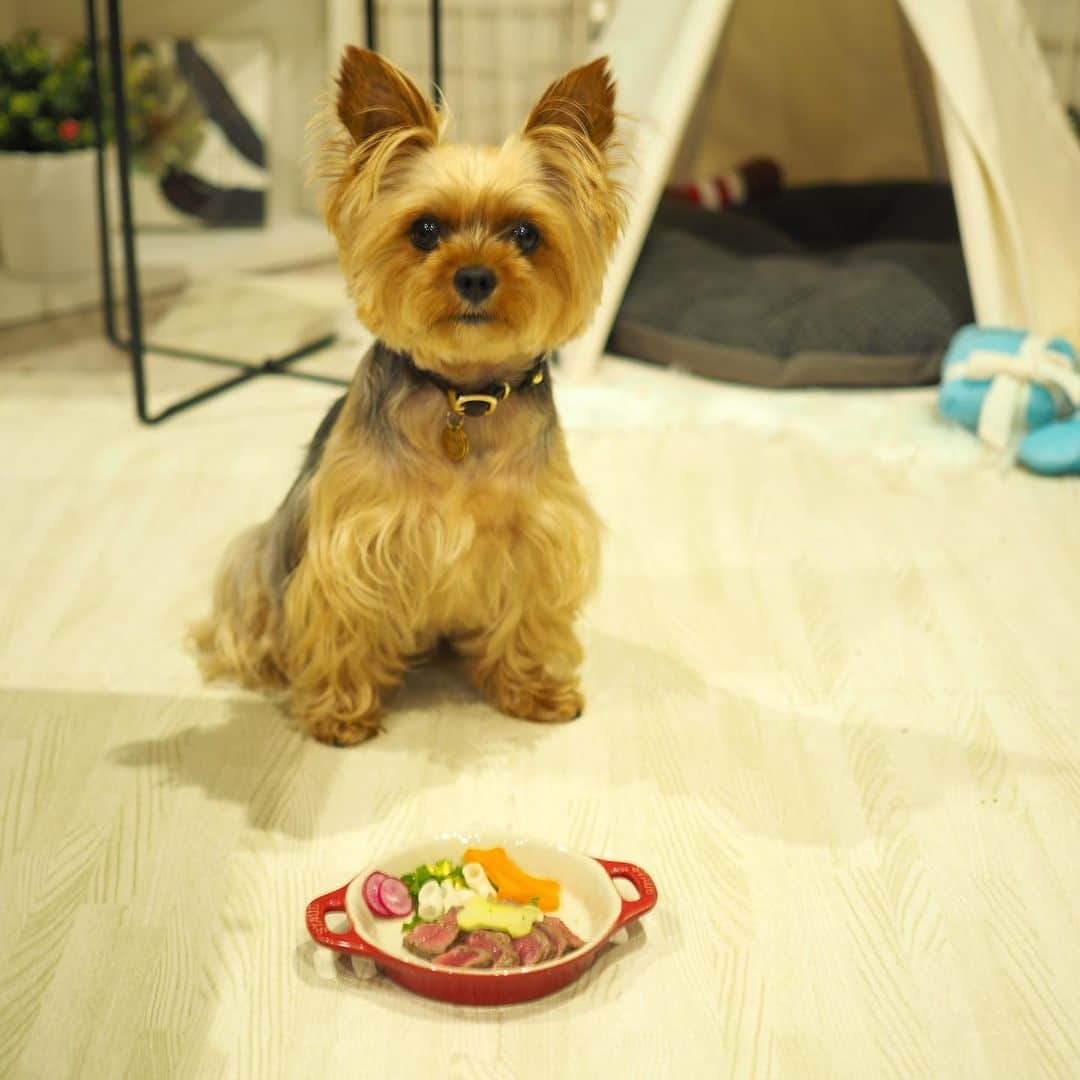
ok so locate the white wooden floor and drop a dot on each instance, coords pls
(834, 709)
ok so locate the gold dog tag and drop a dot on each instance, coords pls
(454, 439)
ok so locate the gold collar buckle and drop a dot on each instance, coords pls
(477, 404)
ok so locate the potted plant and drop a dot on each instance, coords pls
(47, 224)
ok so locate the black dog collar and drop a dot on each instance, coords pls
(482, 400)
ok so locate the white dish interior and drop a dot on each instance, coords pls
(589, 903)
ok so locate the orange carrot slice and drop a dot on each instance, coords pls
(511, 882)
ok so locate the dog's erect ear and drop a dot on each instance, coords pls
(583, 101)
(374, 97)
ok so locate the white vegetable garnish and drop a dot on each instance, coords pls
(477, 880)
(430, 904)
(430, 890)
(453, 896)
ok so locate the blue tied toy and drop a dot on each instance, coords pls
(998, 381)
(1053, 450)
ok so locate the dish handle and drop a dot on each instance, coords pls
(646, 887)
(347, 940)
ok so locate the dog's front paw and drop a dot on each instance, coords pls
(340, 730)
(543, 699)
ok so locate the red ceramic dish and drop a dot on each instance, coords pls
(591, 906)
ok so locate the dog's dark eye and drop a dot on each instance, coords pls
(425, 233)
(526, 235)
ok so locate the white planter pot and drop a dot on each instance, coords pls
(48, 222)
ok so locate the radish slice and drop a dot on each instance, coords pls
(395, 897)
(371, 894)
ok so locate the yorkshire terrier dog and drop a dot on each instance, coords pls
(437, 502)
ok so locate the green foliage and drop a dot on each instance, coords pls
(444, 870)
(165, 120)
(40, 92)
(47, 102)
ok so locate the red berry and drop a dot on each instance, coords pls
(69, 129)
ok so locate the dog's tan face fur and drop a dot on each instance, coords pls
(384, 545)
(550, 186)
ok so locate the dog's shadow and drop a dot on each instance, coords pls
(438, 713)
(246, 750)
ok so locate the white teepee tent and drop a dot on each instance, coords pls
(1012, 157)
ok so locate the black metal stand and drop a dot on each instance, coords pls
(371, 18)
(135, 344)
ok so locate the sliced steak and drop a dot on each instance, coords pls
(431, 939)
(465, 956)
(564, 938)
(500, 946)
(534, 948)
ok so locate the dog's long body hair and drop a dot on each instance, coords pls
(384, 546)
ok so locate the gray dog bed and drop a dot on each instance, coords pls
(822, 286)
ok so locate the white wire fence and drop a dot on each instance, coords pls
(497, 55)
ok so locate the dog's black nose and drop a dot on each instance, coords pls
(475, 283)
